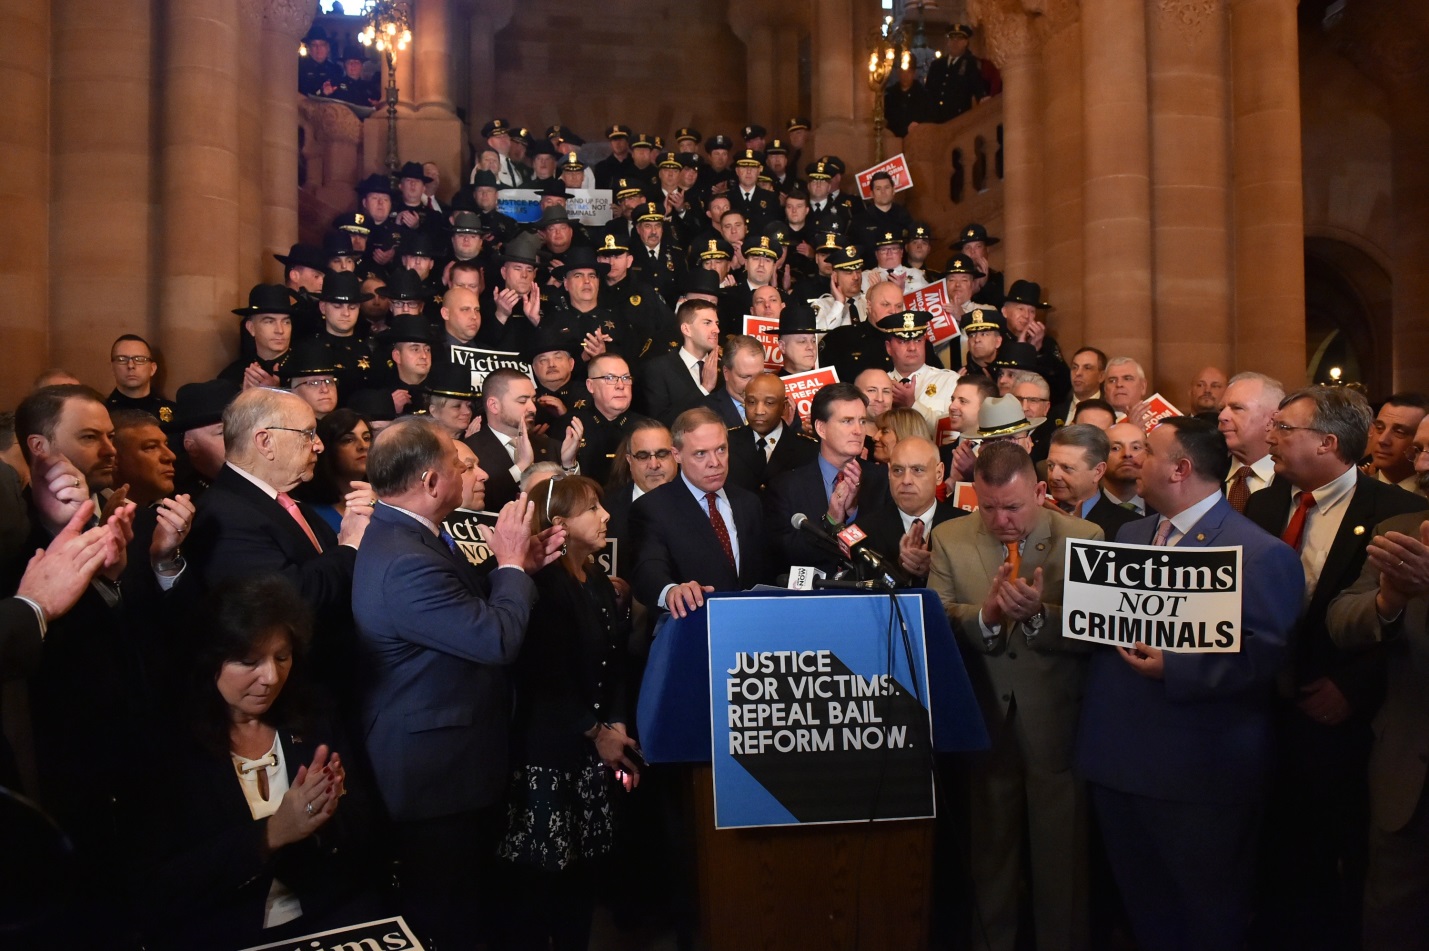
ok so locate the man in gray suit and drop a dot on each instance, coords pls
(1389, 605)
(1000, 576)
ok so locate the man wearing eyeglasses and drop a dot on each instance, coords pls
(311, 373)
(1031, 390)
(1320, 504)
(651, 458)
(248, 523)
(132, 362)
(608, 418)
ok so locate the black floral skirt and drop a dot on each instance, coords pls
(557, 818)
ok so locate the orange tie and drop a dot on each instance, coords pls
(286, 500)
(1014, 558)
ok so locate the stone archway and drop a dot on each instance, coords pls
(1348, 316)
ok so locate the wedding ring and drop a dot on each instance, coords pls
(74, 483)
(310, 808)
(1401, 562)
(372, 502)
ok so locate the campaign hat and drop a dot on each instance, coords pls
(1003, 416)
(1027, 292)
(303, 255)
(308, 357)
(404, 284)
(577, 258)
(449, 379)
(343, 287)
(962, 264)
(200, 404)
(973, 232)
(798, 318)
(267, 299)
(1015, 355)
(414, 170)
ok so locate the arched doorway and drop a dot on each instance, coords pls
(1347, 316)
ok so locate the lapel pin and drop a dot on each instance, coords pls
(1200, 536)
(1041, 546)
(1359, 529)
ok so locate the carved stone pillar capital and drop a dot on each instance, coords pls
(331, 121)
(289, 17)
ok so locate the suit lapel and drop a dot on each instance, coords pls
(298, 544)
(991, 551)
(1208, 528)
(1359, 513)
(1038, 546)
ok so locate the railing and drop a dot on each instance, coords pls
(330, 164)
(957, 169)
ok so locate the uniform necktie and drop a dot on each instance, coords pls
(1163, 532)
(654, 255)
(448, 541)
(1239, 492)
(720, 529)
(1294, 533)
(286, 500)
(1014, 559)
(763, 445)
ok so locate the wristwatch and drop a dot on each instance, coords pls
(1037, 620)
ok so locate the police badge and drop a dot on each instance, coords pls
(932, 390)
(166, 414)
(634, 300)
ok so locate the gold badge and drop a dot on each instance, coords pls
(634, 300)
(363, 363)
(669, 264)
(909, 319)
(1359, 529)
(166, 414)
(357, 219)
(610, 325)
(609, 243)
(932, 390)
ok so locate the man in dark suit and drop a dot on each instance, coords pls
(650, 458)
(435, 638)
(836, 487)
(696, 533)
(505, 444)
(1076, 462)
(1387, 609)
(246, 523)
(1312, 878)
(1177, 747)
(682, 380)
(766, 447)
(742, 361)
(903, 530)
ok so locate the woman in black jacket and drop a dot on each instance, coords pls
(570, 745)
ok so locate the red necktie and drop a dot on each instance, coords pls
(1294, 533)
(1239, 492)
(720, 529)
(286, 500)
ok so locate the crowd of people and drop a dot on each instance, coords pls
(254, 675)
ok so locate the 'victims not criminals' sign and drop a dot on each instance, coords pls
(1177, 599)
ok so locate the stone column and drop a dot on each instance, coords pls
(786, 82)
(1269, 216)
(842, 111)
(1190, 128)
(199, 185)
(101, 130)
(1410, 344)
(250, 146)
(25, 193)
(431, 55)
(284, 24)
(1117, 187)
(760, 75)
(1015, 45)
(1062, 184)
(486, 18)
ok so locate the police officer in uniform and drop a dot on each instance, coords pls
(824, 213)
(758, 205)
(658, 261)
(619, 163)
(317, 69)
(652, 326)
(973, 242)
(351, 354)
(955, 82)
(411, 211)
(607, 417)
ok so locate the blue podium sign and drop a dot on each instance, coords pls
(819, 710)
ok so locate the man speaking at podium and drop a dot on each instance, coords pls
(696, 534)
(1000, 576)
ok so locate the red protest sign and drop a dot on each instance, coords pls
(1158, 408)
(766, 331)
(965, 496)
(801, 387)
(896, 166)
(935, 300)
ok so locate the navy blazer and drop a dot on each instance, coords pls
(1110, 517)
(723, 403)
(801, 490)
(1359, 675)
(1203, 733)
(434, 639)
(884, 528)
(675, 543)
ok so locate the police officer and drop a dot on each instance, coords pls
(657, 260)
(758, 205)
(955, 81)
(653, 330)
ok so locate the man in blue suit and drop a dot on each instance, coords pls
(1176, 748)
(435, 639)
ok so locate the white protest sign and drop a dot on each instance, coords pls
(482, 362)
(1170, 598)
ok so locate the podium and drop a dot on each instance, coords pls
(825, 885)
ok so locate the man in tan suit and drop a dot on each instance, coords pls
(1389, 605)
(1000, 577)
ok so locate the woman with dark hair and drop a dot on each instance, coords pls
(340, 476)
(570, 745)
(258, 838)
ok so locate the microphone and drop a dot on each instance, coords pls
(803, 523)
(853, 541)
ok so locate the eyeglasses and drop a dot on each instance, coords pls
(322, 382)
(610, 379)
(646, 455)
(1412, 453)
(132, 361)
(1033, 399)
(309, 434)
(1287, 428)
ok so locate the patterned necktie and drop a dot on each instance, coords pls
(286, 500)
(1163, 532)
(1294, 533)
(720, 529)
(1130, 507)
(1014, 558)
(1239, 492)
